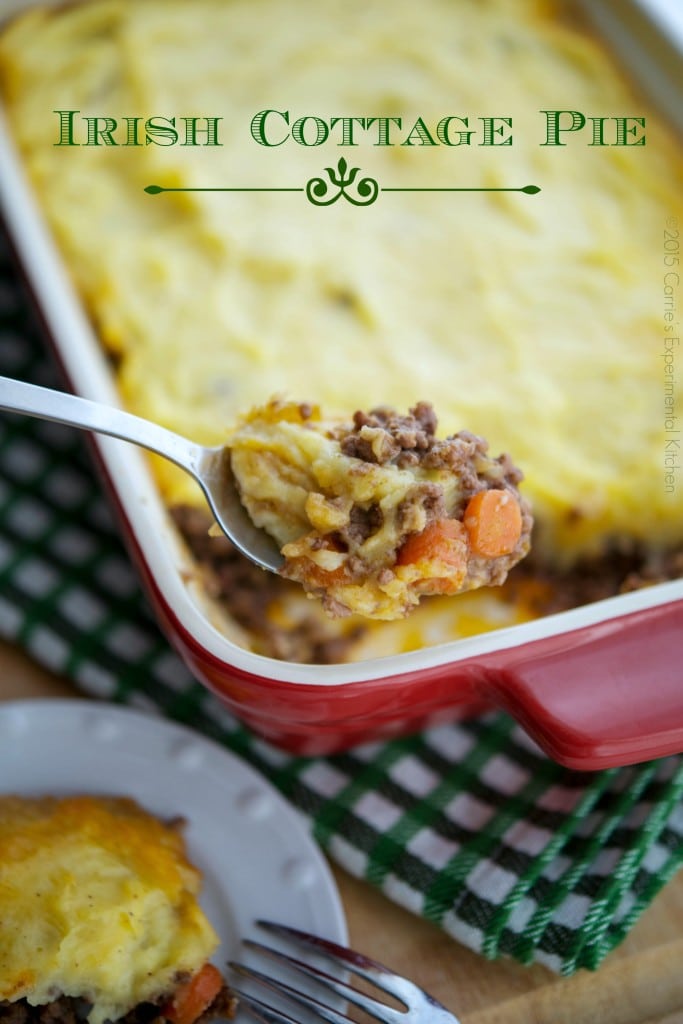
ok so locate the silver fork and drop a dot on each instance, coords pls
(419, 1006)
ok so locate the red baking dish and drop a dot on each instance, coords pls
(597, 686)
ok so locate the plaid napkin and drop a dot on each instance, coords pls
(468, 825)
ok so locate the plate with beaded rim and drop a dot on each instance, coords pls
(252, 847)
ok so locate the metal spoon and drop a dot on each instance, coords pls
(209, 466)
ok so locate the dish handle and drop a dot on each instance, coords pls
(607, 694)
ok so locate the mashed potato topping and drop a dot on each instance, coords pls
(537, 321)
(373, 515)
(97, 901)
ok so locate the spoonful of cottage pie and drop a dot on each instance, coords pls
(373, 514)
(369, 515)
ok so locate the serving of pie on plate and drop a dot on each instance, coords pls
(99, 918)
(112, 904)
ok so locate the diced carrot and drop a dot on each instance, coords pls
(191, 999)
(493, 520)
(440, 541)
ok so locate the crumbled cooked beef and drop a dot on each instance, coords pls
(511, 474)
(421, 506)
(383, 435)
(332, 606)
(667, 566)
(69, 1010)
(324, 543)
(309, 643)
(64, 1010)
(363, 522)
(248, 594)
(143, 1013)
(256, 600)
(232, 576)
(625, 566)
(459, 454)
(13, 1013)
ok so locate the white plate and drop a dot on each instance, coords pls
(256, 856)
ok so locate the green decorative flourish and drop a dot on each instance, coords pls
(317, 188)
(366, 189)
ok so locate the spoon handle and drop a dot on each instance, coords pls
(61, 407)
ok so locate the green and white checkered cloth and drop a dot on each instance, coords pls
(468, 825)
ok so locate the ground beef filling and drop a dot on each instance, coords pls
(625, 566)
(371, 516)
(247, 593)
(386, 438)
(252, 598)
(383, 435)
(67, 1010)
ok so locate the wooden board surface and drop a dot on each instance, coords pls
(639, 983)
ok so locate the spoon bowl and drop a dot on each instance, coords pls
(210, 466)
